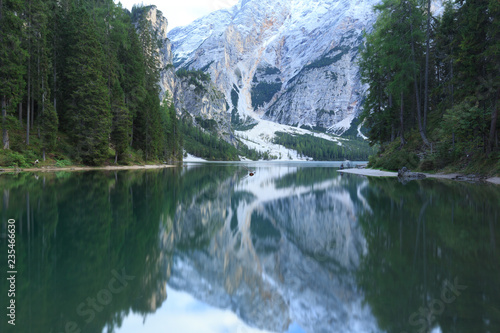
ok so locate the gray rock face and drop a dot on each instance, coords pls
(202, 100)
(293, 62)
(159, 24)
(260, 254)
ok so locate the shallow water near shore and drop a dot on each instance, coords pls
(297, 247)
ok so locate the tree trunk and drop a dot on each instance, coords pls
(426, 93)
(401, 121)
(417, 95)
(132, 134)
(32, 109)
(55, 69)
(28, 110)
(452, 97)
(493, 127)
(392, 126)
(28, 105)
(5, 132)
(38, 107)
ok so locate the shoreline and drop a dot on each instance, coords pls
(361, 172)
(88, 168)
(379, 173)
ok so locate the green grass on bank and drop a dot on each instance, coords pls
(437, 158)
(21, 155)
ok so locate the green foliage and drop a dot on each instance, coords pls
(205, 144)
(352, 132)
(86, 72)
(86, 96)
(393, 156)
(63, 163)
(249, 153)
(327, 59)
(396, 160)
(461, 118)
(464, 120)
(10, 158)
(245, 125)
(50, 122)
(235, 117)
(324, 150)
(122, 122)
(208, 145)
(172, 138)
(269, 70)
(12, 54)
(197, 78)
(207, 124)
(263, 92)
(389, 66)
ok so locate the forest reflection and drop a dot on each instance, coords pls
(421, 237)
(395, 246)
(75, 232)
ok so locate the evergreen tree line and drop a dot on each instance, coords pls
(434, 81)
(207, 145)
(324, 150)
(85, 72)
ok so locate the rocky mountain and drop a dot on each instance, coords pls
(193, 93)
(158, 25)
(274, 65)
(241, 244)
(291, 62)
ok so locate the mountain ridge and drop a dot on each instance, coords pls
(290, 62)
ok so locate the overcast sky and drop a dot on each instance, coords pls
(182, 12)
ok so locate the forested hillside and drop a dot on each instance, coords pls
(434, 85)
(79, 81)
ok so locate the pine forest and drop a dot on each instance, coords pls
(80, 83)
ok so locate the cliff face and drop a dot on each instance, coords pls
(158, 26)
(197, 97)
(200, 99)
(292, 62)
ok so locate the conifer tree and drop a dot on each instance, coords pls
(121, 123)
(133, 75)
(147, 125)
(88, 112)
(390, 66)
(12, 56)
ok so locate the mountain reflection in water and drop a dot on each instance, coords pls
(295, 248)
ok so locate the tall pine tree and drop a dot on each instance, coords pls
(12, 57)
(87, 114)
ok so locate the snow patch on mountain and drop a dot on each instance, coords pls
(262, 135)
(290, 62)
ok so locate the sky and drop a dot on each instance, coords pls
(181, 12)
(181, 312)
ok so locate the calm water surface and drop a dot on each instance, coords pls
(207, 248)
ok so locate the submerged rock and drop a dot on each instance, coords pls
(406, 175)
(470, 178)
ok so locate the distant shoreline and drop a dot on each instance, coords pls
(88, 168)
(379, 173)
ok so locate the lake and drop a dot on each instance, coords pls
(297, 247)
